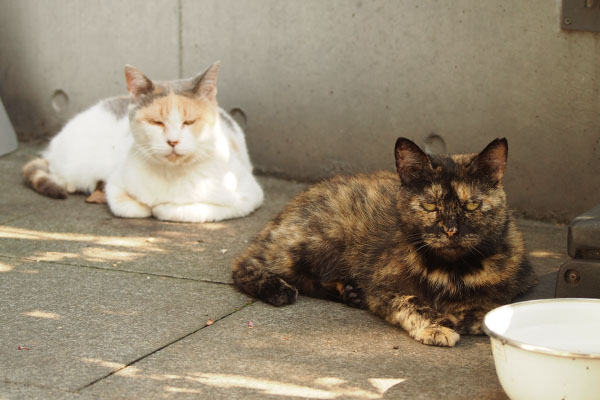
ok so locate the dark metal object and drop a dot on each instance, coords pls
(580, 277)
(581, 15)
(584, 236)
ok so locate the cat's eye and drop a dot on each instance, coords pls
(429, 206)
(157, 123)
(189, 122)
(472, 205)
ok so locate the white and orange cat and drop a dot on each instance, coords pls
(167, 150)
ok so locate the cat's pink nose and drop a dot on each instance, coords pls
(450, 231)
(172, 143)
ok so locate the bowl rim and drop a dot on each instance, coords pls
(533, 347)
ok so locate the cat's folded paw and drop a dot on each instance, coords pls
(470, 323)
(278, 292)
(476, 330)
(353, 296)
(473, 329)
(175, 213)
(123, 205)
(436, 335)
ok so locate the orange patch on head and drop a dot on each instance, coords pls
(201, 110)
(463, 159)
(464, 191)
(196, 110)
(158, 110)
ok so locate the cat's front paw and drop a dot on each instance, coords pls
(123, 205)
(437, 335)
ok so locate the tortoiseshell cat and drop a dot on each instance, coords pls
(430, 249)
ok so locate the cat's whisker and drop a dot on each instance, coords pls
(423, 246)
(477, 250)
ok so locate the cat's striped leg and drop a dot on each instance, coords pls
(123, 205)
(469, 321)
(416, 317)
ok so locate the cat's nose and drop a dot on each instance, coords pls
(172, 143)
(450, 231)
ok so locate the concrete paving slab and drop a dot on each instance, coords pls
(77, 233)
(74, 232)
(312, 349)
(124, 289)
(14, 202)
(12, 391)
(65, 327)
(546, 245)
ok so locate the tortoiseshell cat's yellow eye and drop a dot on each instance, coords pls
(429, 206)
(472, 205)
(189, 122)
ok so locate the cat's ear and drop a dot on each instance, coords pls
(411, 161)
(205, 84)
(137, 83)
(492, 160)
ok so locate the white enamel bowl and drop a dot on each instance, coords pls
(547, 349)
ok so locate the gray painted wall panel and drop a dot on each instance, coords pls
(79, 47)
(327, 86)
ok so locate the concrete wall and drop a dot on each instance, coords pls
(78, 48)
(327, 86)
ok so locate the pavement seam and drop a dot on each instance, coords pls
(237, 309)
(116, 270)
(17, 218)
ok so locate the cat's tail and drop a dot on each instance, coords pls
(37, 175)
(251, 277)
